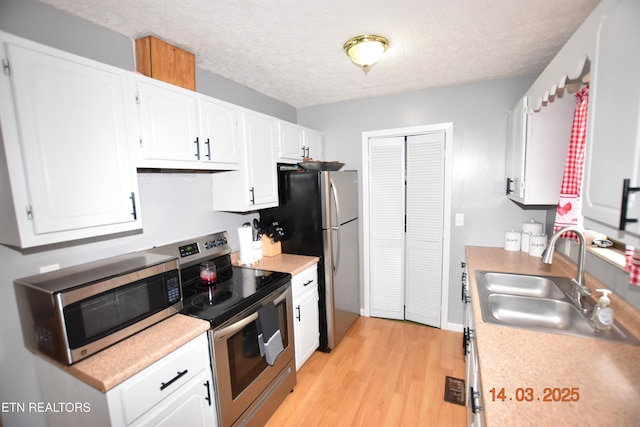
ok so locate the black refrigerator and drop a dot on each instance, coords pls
(319, 214)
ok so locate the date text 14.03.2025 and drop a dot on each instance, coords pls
(527, 394)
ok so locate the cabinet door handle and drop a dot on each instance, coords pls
(308, 283)
(509, 189)
(464, 342)
(475, 395)
(253, 196)
(208, 398)
(174, 379)
(133, 206)
(298, 316)
(303, 152)
(626, 189)
(208, 144)
(197, 142)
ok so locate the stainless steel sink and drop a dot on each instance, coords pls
(520, 284)
(539, 303)
(537, 312)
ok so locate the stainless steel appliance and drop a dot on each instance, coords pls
(72, 313)
(248, 389)
(319, 214)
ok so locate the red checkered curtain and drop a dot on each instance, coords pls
(633, 264)
(569, 210)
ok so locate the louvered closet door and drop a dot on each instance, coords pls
(425, 204)
(386, 227)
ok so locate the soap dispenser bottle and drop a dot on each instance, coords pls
(602, 313)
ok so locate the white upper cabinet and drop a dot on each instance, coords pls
(169, 123)
(65, 170)
(296, 143)
(613, 149)
(219, 124)
(290, 143)
(537, 151)
(180, 129)
(313, 144)
(255, 185)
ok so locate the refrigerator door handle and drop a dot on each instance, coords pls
(336, 228)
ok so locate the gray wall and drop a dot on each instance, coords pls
(479, 113)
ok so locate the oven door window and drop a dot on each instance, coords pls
(245, 362)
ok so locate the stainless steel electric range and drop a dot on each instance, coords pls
(248, 389)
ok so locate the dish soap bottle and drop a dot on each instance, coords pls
(602, 313)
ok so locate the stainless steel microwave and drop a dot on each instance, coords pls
(72, 313)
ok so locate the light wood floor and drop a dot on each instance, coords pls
(383, 373)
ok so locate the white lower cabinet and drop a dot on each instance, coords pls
(306, 327)
(175, 391)
(65, 166)
(473, 398)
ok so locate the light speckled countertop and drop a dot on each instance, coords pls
(284, 263)
(121, 361)
(606, 374)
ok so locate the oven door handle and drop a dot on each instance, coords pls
(280, 298)
(223, 333)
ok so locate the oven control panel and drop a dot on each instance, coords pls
(197, 249)
(215, 243)
(188, 250)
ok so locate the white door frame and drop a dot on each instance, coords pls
(447, 128)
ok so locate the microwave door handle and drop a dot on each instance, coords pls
(232, 329)
(336, 260)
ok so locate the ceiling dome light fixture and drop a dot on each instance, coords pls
(365, 51)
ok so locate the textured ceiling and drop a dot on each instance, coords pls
(291, 50)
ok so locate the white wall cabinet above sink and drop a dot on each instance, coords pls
(296, 143)
(255, 185)
(65, 168)
(537, 146)
(180, 129)
(613, 148)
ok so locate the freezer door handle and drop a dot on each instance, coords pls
(336, 228)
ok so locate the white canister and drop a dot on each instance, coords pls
(529, 228)
(537, 244)
(512, 240)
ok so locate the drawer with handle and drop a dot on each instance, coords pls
(304, 281)
(153, 384)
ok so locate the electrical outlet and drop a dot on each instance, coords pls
(459, 220)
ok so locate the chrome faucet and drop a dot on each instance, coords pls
(579, 289)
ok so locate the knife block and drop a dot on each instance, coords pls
(269, 248)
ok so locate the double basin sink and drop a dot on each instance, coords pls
(540, 303)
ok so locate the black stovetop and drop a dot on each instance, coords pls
(237, 289)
